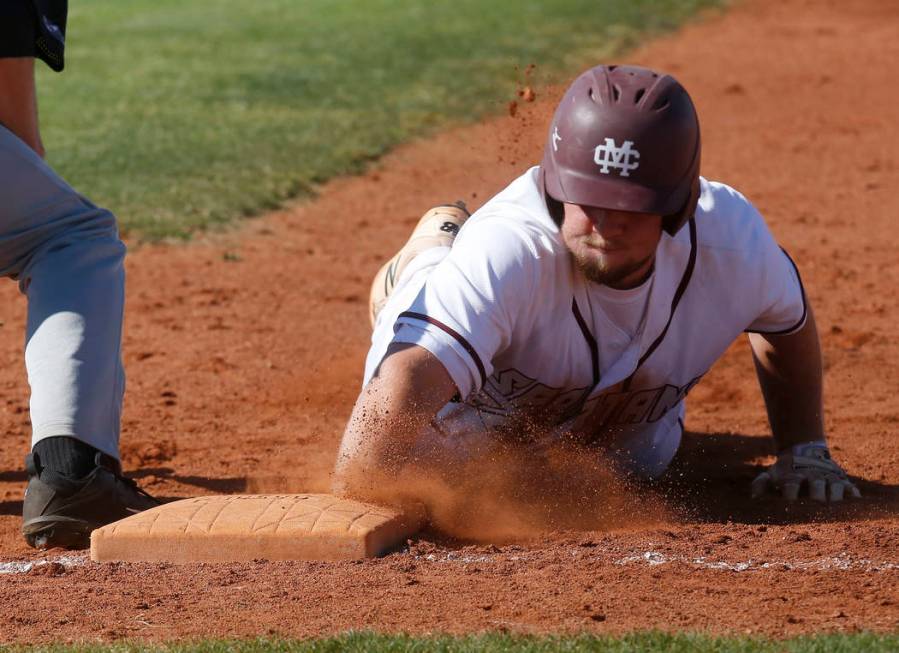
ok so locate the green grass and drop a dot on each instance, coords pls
(183, 115)
(642, 642)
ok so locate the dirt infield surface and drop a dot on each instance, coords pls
(244, 355)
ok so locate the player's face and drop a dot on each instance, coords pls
(614, 248)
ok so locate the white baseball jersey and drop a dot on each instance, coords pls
(533, 346)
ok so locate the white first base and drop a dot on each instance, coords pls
(238, 528)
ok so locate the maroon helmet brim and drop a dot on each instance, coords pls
(616, 194)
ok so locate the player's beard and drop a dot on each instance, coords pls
(598, 270)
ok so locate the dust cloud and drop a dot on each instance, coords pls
(505, 493)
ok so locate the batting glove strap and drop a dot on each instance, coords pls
(814, 449)
(808, 458)
(806, 465)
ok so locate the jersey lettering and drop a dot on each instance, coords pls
(669, 397)
(638, 406)
(509, 391)
(607, 407)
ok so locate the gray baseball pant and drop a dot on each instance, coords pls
(68, 259)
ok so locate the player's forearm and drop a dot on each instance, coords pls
(376, 443)
(790, 375)
(409, 389)
(18, 100)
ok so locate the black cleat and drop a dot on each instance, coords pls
(61, 511)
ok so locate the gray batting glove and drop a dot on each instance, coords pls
(807, 464)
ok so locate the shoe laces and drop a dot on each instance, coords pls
(114, 467)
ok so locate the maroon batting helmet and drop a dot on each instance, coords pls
(625, 138)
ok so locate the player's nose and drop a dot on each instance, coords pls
(608, 223)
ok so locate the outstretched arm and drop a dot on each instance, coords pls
(790, 374)
(18, 100)
(405, 394)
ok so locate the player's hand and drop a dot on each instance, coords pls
(808, 465)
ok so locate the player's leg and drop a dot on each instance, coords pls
(66, 254)
(436, 228)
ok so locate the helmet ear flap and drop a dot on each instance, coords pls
(553, 206)
(672, 223)
(556, 210)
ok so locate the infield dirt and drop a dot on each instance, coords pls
(244, 353)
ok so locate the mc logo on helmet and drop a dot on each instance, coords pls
(624, 159)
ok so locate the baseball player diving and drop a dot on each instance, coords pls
(66, 255)
(583, 302)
